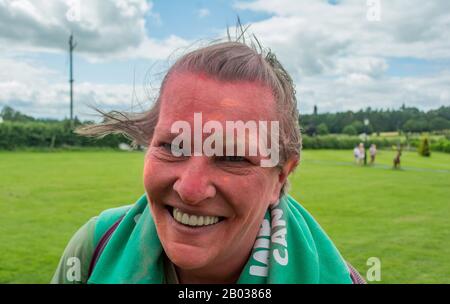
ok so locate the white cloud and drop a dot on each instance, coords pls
(407, 28)
(370, 66)
(41, 92)
(356, 91)
(339, 59)
(23, 70)
(105, 28)
(203, 12)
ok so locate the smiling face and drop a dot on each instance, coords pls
(227, 195)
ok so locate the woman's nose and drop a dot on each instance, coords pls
(194, 184)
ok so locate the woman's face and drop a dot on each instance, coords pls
(235, 191)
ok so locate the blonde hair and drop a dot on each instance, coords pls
(225, 61)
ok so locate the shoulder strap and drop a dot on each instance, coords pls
(354, 275)
(101, 245)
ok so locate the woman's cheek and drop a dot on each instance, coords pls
(158, 177)
(149, 173)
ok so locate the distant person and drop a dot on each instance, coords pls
(397, 158)
(373, 153)
(362, 154)
(356, 154)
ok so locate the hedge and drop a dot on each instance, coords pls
(442, 145)
(348, 142)
(19, 135)
(16, 135)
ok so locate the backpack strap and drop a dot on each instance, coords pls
(105, 225)
(101, 245)
(354, 275)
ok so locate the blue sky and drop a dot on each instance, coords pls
(184, 19)
(339, 59)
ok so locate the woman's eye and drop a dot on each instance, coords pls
(173, 150)
(232, 158)
(166, 146)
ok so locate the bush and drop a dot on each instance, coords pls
(442, 145)
(334, 141)
(344, 142)
(359, 126)
(322, 129)
(349, 130)
(16, 135)
(424, 147)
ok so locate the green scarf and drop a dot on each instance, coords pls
(291, 248)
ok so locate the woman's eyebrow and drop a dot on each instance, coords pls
(163, 134)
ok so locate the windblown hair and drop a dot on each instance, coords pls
(225, 61)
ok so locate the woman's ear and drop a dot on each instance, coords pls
(283, 174)
(287, 168)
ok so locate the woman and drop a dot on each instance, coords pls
(209, 218)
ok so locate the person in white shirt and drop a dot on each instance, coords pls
(356, 154)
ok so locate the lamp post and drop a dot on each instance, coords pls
(366, 123)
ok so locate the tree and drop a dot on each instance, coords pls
(359, 127)
(9, 114)
(439, 123)
(322, 129)
(349, 130)
(415, 125)
(408, 119)
(311, 130)
(424, 147)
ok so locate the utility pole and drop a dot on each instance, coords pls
(366, 123)
(71, 48)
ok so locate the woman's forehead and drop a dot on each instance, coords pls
(186, 93)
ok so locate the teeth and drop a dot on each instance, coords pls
(185, 218)
(193, 220)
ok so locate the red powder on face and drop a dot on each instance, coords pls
(202, 76)
(228, 102)
(227, 93)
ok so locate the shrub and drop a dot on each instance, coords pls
(442, 145)
(346, 142)
(15, 135)
(424, 147)
(322, 129)
(349, 130)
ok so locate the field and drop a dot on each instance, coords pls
(400, 216)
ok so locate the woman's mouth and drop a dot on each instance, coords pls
(193, 220)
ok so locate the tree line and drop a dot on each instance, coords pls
(18, 130)
(404, 119)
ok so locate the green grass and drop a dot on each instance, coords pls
(401, 216)
(45, 197)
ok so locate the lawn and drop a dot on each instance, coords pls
(401, 217)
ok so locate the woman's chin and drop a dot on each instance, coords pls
(189, 257)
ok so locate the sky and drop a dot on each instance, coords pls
(342, 54)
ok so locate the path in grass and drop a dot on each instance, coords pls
(399, 216)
